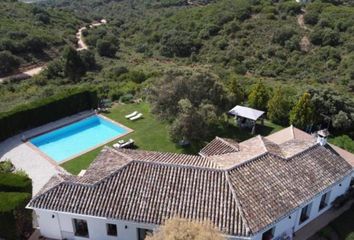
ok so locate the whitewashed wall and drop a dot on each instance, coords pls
(59, 225)
(287, 224)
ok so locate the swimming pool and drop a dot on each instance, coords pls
(71, 140)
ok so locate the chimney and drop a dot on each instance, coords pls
(322, 136)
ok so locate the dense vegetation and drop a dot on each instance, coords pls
(259, 53)
(15, 192)
(32, 35)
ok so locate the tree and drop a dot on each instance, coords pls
(236, 90)
(182, 229)
(302, 114)
(198, 88)
(332, 107)
(279, 107)
(179, 44)
(189, 124)
(342, 121)
(106, 48)
(259, 96)
(88, 59)
(8, 62)
(74, 68)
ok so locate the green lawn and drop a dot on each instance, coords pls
(149, 134)
(152, 134)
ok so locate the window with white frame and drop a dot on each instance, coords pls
(80, 228)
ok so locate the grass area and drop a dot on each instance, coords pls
(149, 134)
(152, 134)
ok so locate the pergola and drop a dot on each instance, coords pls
(247, 117)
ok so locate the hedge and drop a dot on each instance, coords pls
(15, 220)
(10, 182)
(46, 110)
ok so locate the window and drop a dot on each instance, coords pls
(112, 229)
(268, 235)
(80, 228)
(142, 233)
(324, 201)
(305, 213)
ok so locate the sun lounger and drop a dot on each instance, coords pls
(136, 117)
(131, 115)
(124, 145)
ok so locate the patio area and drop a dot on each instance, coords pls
(38, 166)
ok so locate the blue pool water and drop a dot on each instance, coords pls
(76, 138)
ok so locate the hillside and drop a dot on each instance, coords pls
(303, 48)
(31, 35)
(257, 38)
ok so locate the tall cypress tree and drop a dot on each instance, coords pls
(258, 97)
(302, 114)
(279, 107)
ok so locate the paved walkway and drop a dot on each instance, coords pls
(39, 167)
(317, 224)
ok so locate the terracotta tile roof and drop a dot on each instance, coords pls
(269, 187)
(349, 157)
(219, 146)
(151, 192)
(241, 192)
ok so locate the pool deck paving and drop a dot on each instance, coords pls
(25, 157)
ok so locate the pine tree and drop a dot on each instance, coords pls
(258, 97)
(302, 114)
(279, 107)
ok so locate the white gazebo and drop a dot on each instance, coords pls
(247, 117)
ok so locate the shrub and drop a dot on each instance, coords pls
(15, 220)
(10, 182)
(106, 48)
(47, 110)
(282, 35)
(8, 62)
(6, 166)
(127, 98)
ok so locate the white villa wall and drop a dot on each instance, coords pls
(292, 224)
(96, 226)
(61, 225)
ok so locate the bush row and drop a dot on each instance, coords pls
(15, 220)
(10, 182)
(46, 110)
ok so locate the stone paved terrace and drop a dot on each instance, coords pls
(39, 167)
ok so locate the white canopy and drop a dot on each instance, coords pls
(246, 112)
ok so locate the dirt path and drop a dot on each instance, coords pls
(24, 75)
(301, 21)
(37, 69)
(81, 45)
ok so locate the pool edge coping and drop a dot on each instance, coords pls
(52, 161)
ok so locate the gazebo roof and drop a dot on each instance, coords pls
(246, 112)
